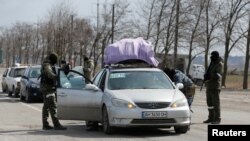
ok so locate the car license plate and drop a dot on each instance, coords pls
(154, 114)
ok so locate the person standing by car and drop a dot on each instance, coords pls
(88, 68)
(65, 67)
(178, 77)
(88, 73)
(212, 79)
(48, 89)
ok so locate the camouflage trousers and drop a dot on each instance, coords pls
(49, 106)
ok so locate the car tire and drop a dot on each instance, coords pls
(27, 97)
(21, 97)
(107, 129)
(9, 92)
(3, 88)
(181, 129)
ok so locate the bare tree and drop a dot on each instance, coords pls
(194, 29)
(236, 12)
(247, 57)
(213, 20)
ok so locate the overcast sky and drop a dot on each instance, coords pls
(31, 11)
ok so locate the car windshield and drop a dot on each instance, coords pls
(138, 80)
(34, 72)
(19, 72)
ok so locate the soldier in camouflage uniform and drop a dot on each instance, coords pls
(213, 82)
(88, 73)
(88, 68)
(48, 89)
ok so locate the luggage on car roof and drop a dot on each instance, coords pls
(128, 50)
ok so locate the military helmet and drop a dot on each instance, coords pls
(53, 58)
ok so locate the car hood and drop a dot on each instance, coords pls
(148, 95)
(17, 79)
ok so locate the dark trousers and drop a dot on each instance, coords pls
(49, 106)
(213, 103)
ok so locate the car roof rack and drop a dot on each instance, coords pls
(132, 63)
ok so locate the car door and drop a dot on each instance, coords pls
(23, 82)
(4, 78)
(75, 100)
(9, 78)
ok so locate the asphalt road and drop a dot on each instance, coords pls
(20, 121)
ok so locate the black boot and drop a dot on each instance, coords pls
(47, 127)
(217, 118)
(60, 127)
(210, 116)
(207, 121)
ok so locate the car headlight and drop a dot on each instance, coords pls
(122, 103)
(179, 103)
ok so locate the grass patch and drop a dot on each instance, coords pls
(235, 82)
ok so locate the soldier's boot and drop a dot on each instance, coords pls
(217, 118)
(46, 125)
(210, 116)
(57, 125)
(60, 127)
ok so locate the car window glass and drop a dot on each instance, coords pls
(19, 72)
(97, 78)
(138, 80)
(11, 74)
(102, 81)
(72, 81)
(34, 73)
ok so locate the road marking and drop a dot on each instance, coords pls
(32, 107)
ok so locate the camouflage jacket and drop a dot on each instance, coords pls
(180, 77)
(88, 69)
(48, 78)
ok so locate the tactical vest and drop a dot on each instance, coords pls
(45, 80)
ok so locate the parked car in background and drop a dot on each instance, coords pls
(30, 84)
(124, 97)
(4, 84)
(13, 80)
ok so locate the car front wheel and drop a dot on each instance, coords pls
(27, 97)
(105, 122)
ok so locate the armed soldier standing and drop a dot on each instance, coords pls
(48, 89)
(213, 82)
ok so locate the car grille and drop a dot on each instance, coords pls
(152, 121)
(153, 105)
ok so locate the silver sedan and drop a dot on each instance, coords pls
(124, 97)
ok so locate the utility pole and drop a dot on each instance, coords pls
(113, 17)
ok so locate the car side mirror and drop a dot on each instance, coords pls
(92, 87)
(179, 86)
